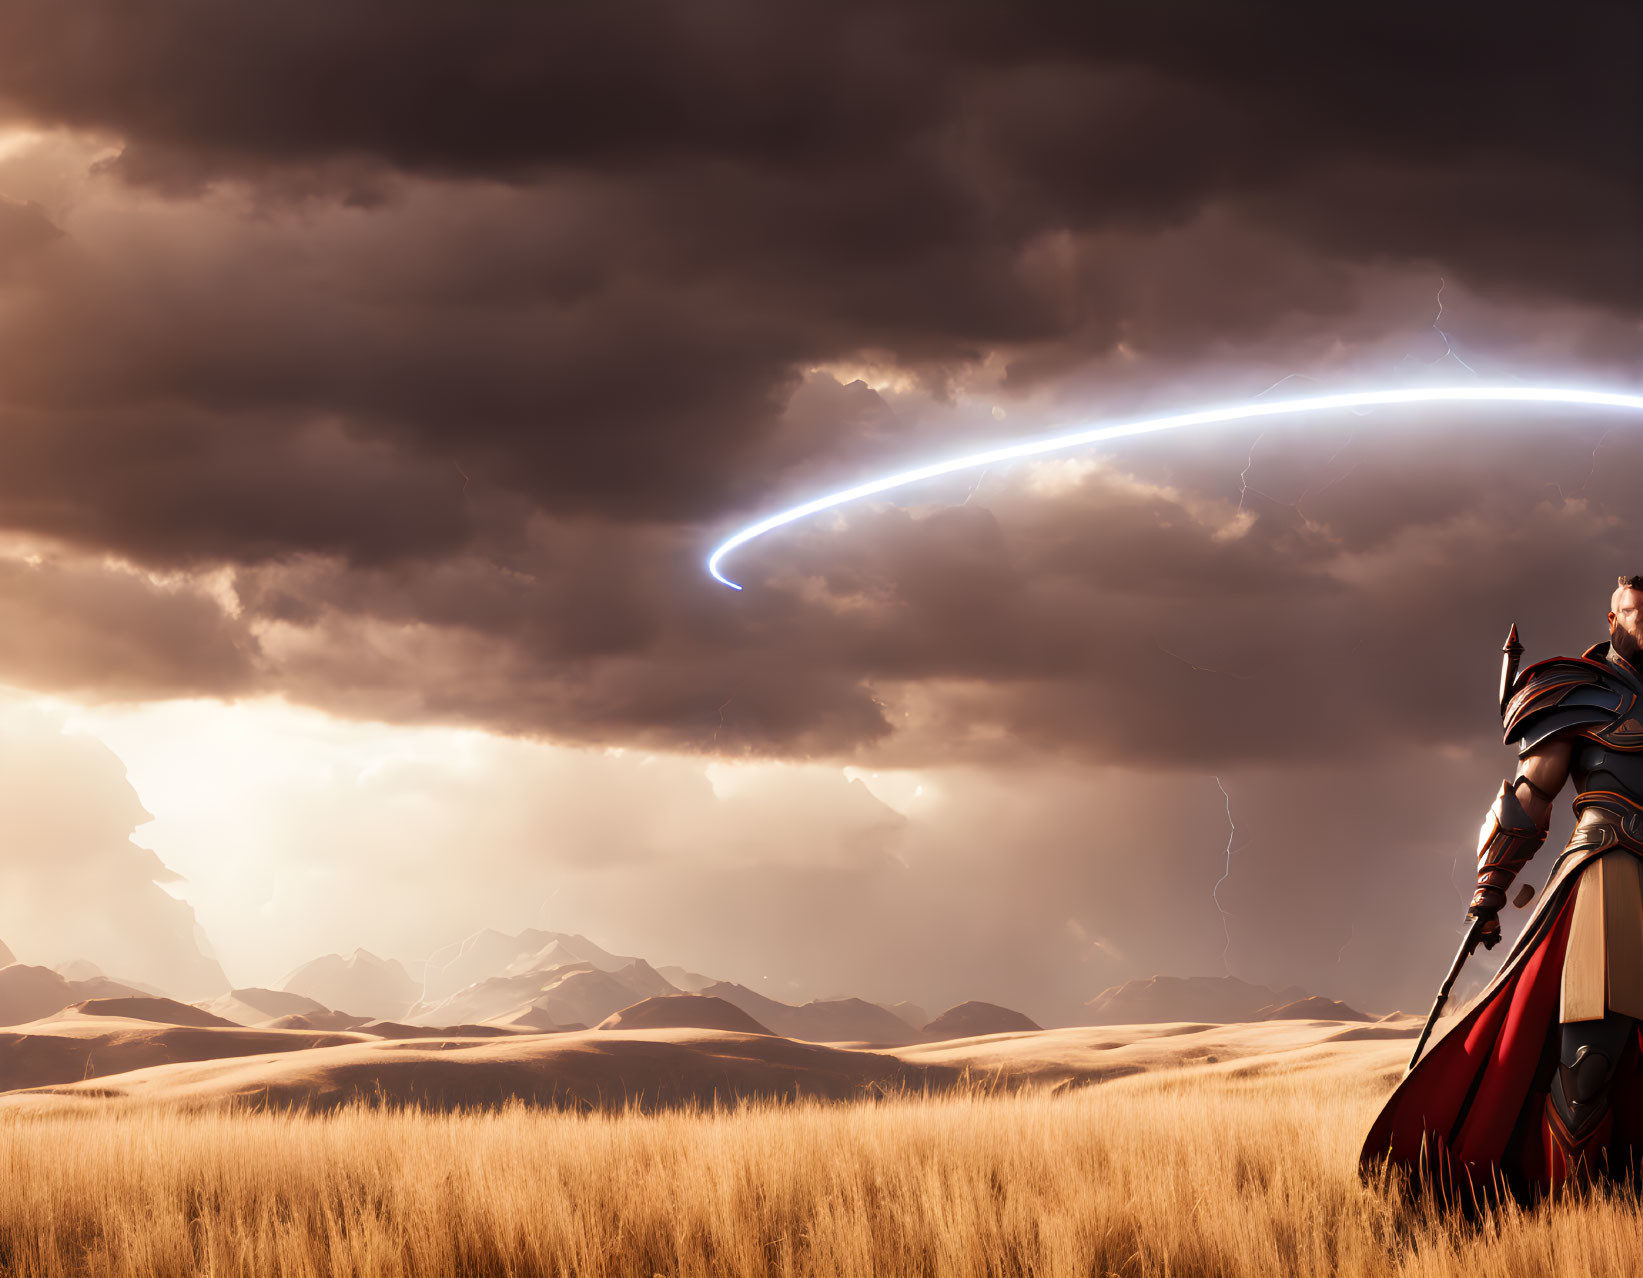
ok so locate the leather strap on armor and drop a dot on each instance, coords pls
(1506, 841)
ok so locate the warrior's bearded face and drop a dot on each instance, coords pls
(1626, 625)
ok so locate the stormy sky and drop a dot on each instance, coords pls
(374, 378)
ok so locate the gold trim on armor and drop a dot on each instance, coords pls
(1586, 798)
(1608, 818)
(1624, 734)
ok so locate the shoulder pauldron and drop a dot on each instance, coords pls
(1575, 695)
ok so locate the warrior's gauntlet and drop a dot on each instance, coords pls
(1508, 838)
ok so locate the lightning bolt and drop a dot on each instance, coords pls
(1215, 892)
(1287, 377)
(721, 722)
(461, 949)
(1313, 492)
(1592, 468)
(1245, 487)
(1243, 475)
(1448, 346)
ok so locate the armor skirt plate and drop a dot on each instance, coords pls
(1603, 965)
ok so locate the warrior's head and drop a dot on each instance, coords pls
(1626, 619)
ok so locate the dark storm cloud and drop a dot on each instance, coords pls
(488, 88)
(183, 487)
(1461, 132)
(627, 399)
(709, 197)
(1110, 619)
(456, 332)
(110, 633)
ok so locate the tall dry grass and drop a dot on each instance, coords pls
(1194, 1172)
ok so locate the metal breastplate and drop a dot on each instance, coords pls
(1597, 768)
(1608, 797)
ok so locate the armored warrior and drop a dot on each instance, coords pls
(1540, 1080)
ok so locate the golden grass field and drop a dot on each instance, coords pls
(1183, 1172)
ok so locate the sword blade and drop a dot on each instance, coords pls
(1468, 943)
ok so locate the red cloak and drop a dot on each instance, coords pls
(1468, 1120)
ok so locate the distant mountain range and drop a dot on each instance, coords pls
(491, 953)
(1210, 999)
(545, 982)
(28, 992)
(832, 1020)
(577, 993)
(362, 984)
(683, 1011)
(973, 1019)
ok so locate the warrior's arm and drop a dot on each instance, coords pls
(1515, 828)
(1540, 775)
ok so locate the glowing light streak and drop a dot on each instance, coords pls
(1568, 396)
